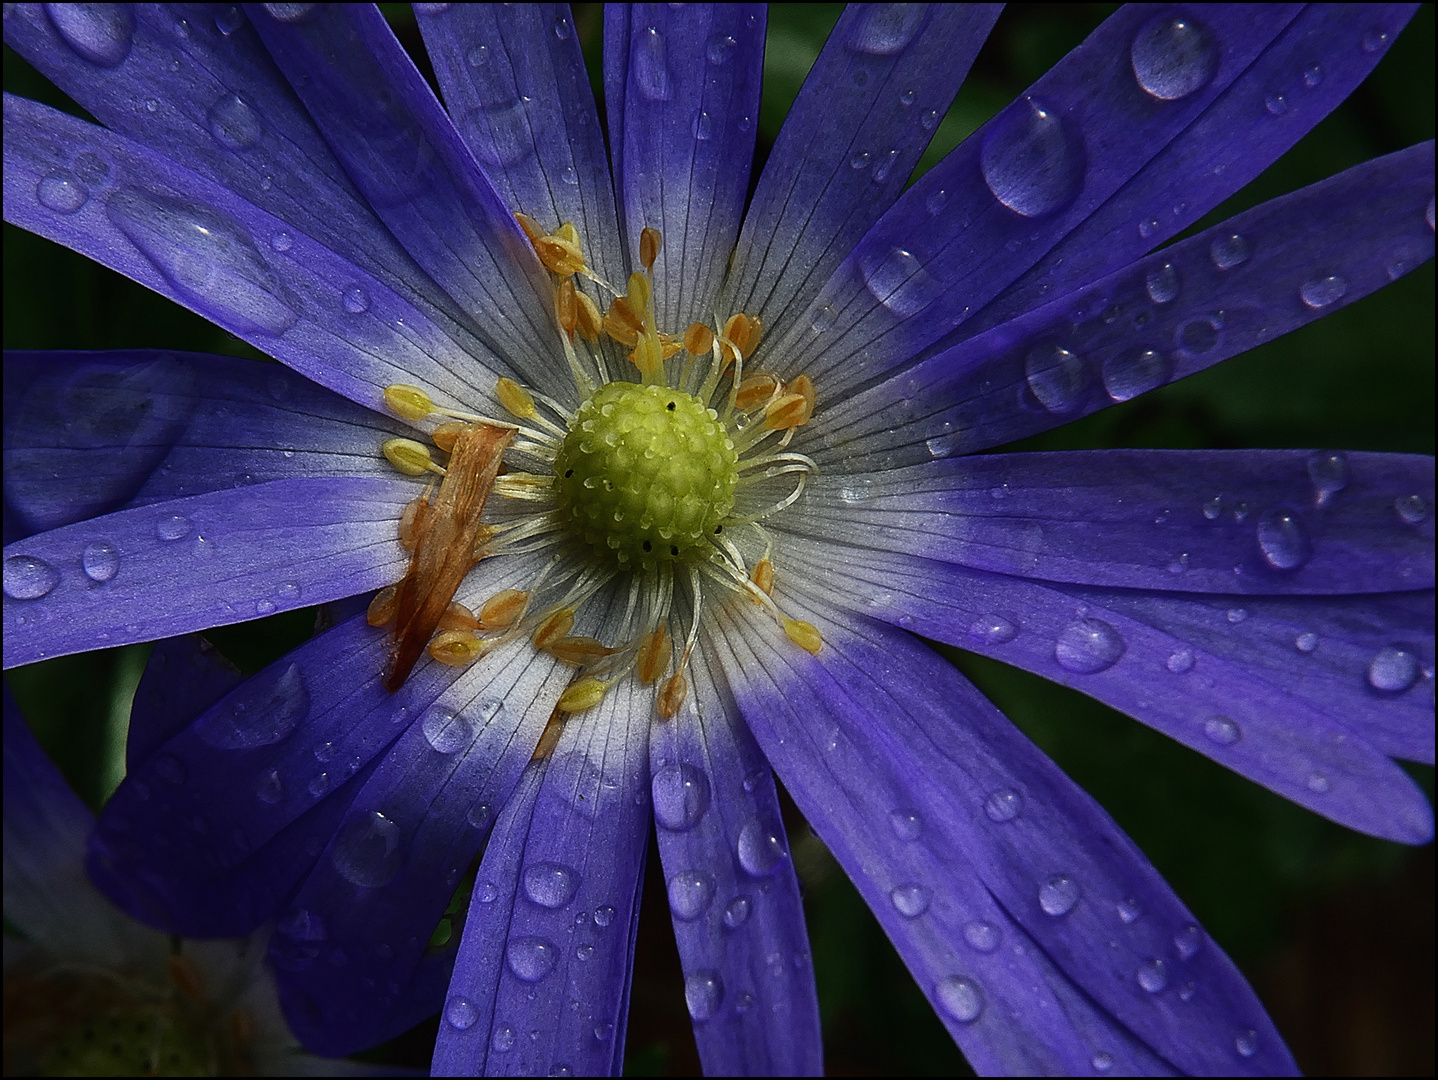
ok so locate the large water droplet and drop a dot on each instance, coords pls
(531, 958)
(1180, 662)
(681, 795)
(1283, 540)
(1393, 669)
(173, 527)
(650, 71)
(28, 577)
(1228, 251)
(550, 884)
(1128, 374)
(233, 123)
(1222, 730)
(1306, 642)
(447, 731)
(603, 916)
(269, 708)
(1330, 474)
(60, 190)
(1320, 292)
(99, 33)
(1173, 57)
(368, 849)
(1055, 376)
(909, 900)
(720, 49)
(703, 993)
(461, 1013)
(1030, 161)
(1003, 804)
(690, 893)
(736, 913)
(960, 998)
(1153, 975)
(1413, 509)
(209, 260)
(503, 1038)
(907, 824)
(897, 281)
(1162, 284)
(982, 936)
(1188, 941)
(1088, 646)
(992, 630)
(1058, 895)
(884, 29)
(509, 130)
(1200, 336)
(1246, 1043)
(761, 847)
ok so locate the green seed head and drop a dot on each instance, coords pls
(646, 474)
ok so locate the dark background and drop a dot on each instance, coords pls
(1334, 929)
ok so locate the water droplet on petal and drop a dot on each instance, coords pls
(898, 282)
(1128, 374)
(603, 916)
(446, 731)
(909, 900)
(561, 28)
(690, 893)
(1058, 895)
(229, 19)
(480, 815)
(1056, 377)
(99, 33)
(906, 823)
(550, 884)
(173, 527)
(356, 301)
(761, 847)
(1088, 646)
(992, 630)
(736, 913)
(1162, 284)
(1173, 57)
(233, 123)
(1003, 804)
(1330, 474)
(1393, 669)
(531, 958)
(1153, 975)
(650, 71)
(720, 49)
(1320, 292)
(1283, 540)
(487, 893)
(703, 993)
(269, 789)
(884, 29)
(28, 577)
(478, 56)
(1030, 161)
(703, 127)
(1129, 910)
(1374, 40)
(503, 1038)
(368, 849)
(1102, 1062)
(960, 998)
(1222, 730)
(1412, 508)
(1246, 1043)
(60, 190)
(982, 936)
(461, 1013)
(1188, 941)
(1312, 77)
(1228, 251)
(1306, 642)
(1200, 336)
(1276, 104)
(1238, 614)
(1180, 662)
(681, 796)
(270, 707)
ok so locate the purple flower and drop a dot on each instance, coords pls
(748, 463)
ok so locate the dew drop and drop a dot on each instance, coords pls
(1003, 804)
(1222, 730)
(1276, 104)
(1283, 540)
(233, 123)
(982, 936)
(356, 300)
(1246, 1043)
(1320, 292)
(885, 29)
(650, 70)
(487, 893)
(100, 561)
(1188, 941)
(1137, 371)
(173, 527)
(930, 120)
(1153, 975)
(681, 796)
(1200, 336)
(1228, 251)
(703, 993)
(99, 33)
(1306, 642)
(1329, 473)
(906, 98)
(1129, 911)
(960, 998)
(269, 788)
(460, 1013)
(561, 28)
(368, 849)
(907, 824)
(1088, 646)
(603, 916)
(480, 815)
(1058, 895)
(282, 242)
(992, 630)
(1413, 509)
(478, 56)
(761, 847)
(1374, 40)
(270, 707)
(229, 19)
(28, 577)
(703, 127)
(1162, 284)
(720, 49)
(1236, 615)
(690, 894)
(550, 884)
(897, 281)
(446, 731)
(936, 201)
(1393, 669)
(1029, 160)
(1180, 662)
(1213, 509)
(60, 190)
(910, 900)
(569, 176)
(1172, 57)
(1056, 377)
(531, 958)
(1147, 227)
(1102, 1062)
(502, 1039)
(736, 913)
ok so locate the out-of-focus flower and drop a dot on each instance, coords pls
(746, 466)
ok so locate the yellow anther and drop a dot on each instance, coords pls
(804, 635)
(669, 348)
(482, 536)
(457, 647)
(382, 607)
(650, 241)
(550, 737)
(754, 391)
(447, 433)
(409, 457)
(501, 609)
(638, 294)
(411, 521)
(622, 323)
(554, 627)
(787, 411)
(744, 331)
(559, 256)
(653, 656)
(587, 319)
(568, 233)
(458, 617)
(567, 307)
(532, 228)
(516, 399)
(763, 575)
(802, 384)
(579, 651)
(582, 695)
(647, 355)
(672, 693)
(408, 402)
(698, 339)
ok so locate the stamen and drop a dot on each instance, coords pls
(555, 626)
(516, 399)
(670, 698)
(587, 319)
(754, 391)
(803, 634)
(382, 608)
(580, 651)
(411, 521)
(744, 332)
(653, 656)
(787, 411)
(408, 402)
(409, 457)
(567, 305)
(650, 241)
(698, 339)
(458, 617)
(622, 323)
(458, 647)
(549, 738)
(763, 575)
(584, 694)
(501, 609)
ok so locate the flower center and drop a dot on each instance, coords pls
(646, 474)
